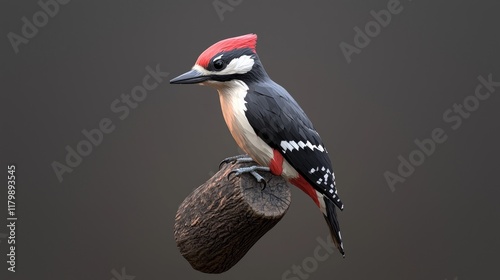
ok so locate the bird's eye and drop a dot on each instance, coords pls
(218, 64)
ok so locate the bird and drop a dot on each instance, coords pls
(268, 124)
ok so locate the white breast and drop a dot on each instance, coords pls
(233, 104)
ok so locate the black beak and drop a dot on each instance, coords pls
(190, 77)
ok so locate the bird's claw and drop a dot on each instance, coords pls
(230, 173)
(259, 179)
(253, 171)
(233, 159)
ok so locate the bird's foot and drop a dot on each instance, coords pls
(233, 159)
(253, 171)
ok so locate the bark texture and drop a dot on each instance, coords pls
(221, 220)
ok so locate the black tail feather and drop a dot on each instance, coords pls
(333, 224)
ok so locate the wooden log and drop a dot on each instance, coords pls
(221, 220)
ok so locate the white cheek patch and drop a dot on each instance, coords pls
(239, 65)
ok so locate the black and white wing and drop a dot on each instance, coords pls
(280, 122)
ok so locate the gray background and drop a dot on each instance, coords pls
(117, 208)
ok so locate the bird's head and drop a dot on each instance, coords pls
(230, 59)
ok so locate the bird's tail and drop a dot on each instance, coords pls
(333, 224)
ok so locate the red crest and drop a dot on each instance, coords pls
(240, 42)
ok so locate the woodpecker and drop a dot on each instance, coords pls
(267, 123)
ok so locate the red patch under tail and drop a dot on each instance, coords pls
(302, 184)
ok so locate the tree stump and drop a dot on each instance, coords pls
(221, 220)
